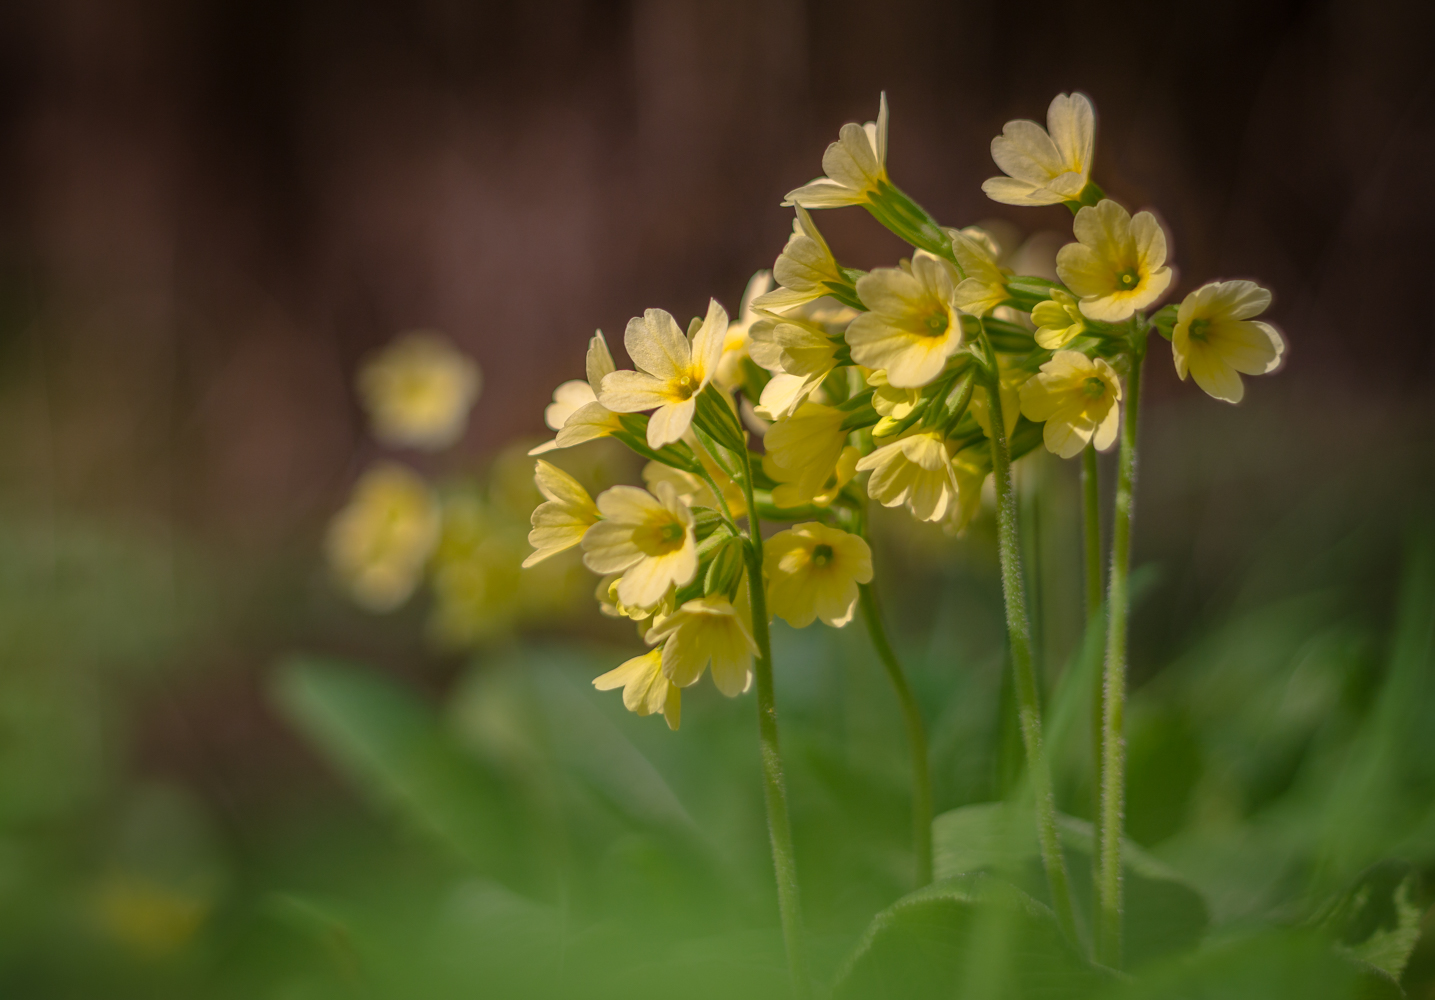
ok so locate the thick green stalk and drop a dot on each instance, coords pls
(1091, 539)
(916, 735)
(1023, 672)
(779, 824)
(1118, 601)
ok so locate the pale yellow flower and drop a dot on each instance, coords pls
(672, 370)
(692, 489)
(152, 917)
(1217, 338)
(561, 521)
(1118, 266)
(1010, 381)
(970, 467)
(887, 399)
(1076, 396)
(914, 470)
(984, 287)
(813, 572)
(739, 333)
(806, 269)
(707, 629)
(855, 166)
(803, 451)
(612, 605)
(1045, 166)
(380, 542)
(645, 689)
(800, 349)
(418, 392)
(913, 326)
(1058, 321)
(575, 412)
(648, 537)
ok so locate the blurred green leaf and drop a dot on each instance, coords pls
(1377, 919)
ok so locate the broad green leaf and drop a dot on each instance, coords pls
(1377, 919)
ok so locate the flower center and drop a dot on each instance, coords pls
(822, 556)
(1094, 387)
(1199, 329)
(937, 324)
(671, 533)
(684, 387)
(1128, 279)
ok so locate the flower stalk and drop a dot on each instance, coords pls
(1091, 546)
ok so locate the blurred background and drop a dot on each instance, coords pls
(211, 212)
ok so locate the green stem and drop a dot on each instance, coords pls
(779, 824)
(1023, 672)
(1118, 600)
(916, 735)
(1091, 538)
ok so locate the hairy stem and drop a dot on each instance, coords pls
(1091, 539)
(1118, 607)
(1023, 671)
(916, 735)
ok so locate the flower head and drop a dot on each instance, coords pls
(984, 287)
(559, 522)
(1058, 321)
(672, 370)
(1045, 166)
(575, 412)
(855, 166)
(913, 325)
(1118, 266)
(914, 470)
(1076, 396)
(806, 269)
(418, 392)
(799, 347)
(736, 343)
(1217, 338)
(648, 537)
(380, 542)
(707, 629)
(813, 571)
(645, 689)
(803, 451)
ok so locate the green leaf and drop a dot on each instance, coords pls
(1377, 919)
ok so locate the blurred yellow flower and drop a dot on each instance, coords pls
(806, 269)
(739, 334)
(645, 689)
(1045, 166)
(913, 325)
(379, 543)
(1217, 338)
(707, 629)
(148, 916)
(813, 571)
(575, 412)
(560, 521)
(803, 451)
(611, 605)
(914, 470)
(855, 165)
(671, 371)
(418, 392)
(1010, 381)
(1118, 266)
(799, 348)
(1076, 396)
(970, 467)
(1058, 321)
(648, 537)
(984, 287)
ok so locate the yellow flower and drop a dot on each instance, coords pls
(418, 392)
(575, 412)
(561, 521)
(799, 348)
(645, 689)
(612, 605)
(707, 629)
(1058, 321)
(984, 287)
(970, 467)
(648, 537)
(803, 451)
(152, 917)
(1045, 168)
(1217, 338)
(1010, 381)
(739, 334)
(806, 269)
(855, 165)
(914, 470)
(813, 572)
(1077, 398)
(887, 399)
(379, 543)
(1119, 264)
(671, 371)
(693, 490)
(913, 325)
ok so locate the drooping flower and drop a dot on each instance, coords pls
(914, 470)
(1118, 266)
(418, 392)
(645, 689)
(380, 542)
(1076, 396)
(560, 522)
(1058, 321)
(648, 537)
(913, 325)
(575, 412)
(888, 400)
(803, 451)
(984, 287)
(1009, 381)
(739, 333)
(813, 572)
(1217, 338)
(606, 593)
(1045, 166)
(800, 348)
(707, 629)
(855, 165)
(672, 370)
(970, 467)
(805, 270)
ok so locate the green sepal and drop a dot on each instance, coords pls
(754, 379)
(890, 206)
(954, 406)
(1089, 195)
(635, 435)
(727, 460)
(725, 570)
(1164, 319)
(1010, 338)
(769, 511)
(714, 414)
(706, 521)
